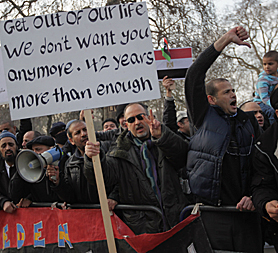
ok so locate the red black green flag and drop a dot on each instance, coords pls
(165, 51)
(44, 230)
(181, 60)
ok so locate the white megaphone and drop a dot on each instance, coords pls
(31, 166)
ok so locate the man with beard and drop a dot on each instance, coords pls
(71, 186)
(25, 126)
(219, 158)
(9, 150)
(144, 162)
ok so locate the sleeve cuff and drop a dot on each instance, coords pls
(169, 98)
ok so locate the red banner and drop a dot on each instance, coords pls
(76, 230)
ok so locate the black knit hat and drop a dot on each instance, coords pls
(120, 111)
(56, 128)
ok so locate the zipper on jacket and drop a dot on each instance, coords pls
(221, 168)
(267, 157)
(220, 181)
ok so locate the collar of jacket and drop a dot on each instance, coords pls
(76, 158)
(121, 146)
(241, 116)
(122, 149)
(185, 136)
(122, 141)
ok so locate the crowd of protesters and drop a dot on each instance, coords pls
(213, 153)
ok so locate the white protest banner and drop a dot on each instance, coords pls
(78, 60)
(3, 87)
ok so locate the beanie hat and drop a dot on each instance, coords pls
(6, 133)
(69, 123)
(56, 128)
(120, 111)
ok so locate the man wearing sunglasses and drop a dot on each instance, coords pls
(144, 163)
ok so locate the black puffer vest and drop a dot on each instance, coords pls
(207, 149)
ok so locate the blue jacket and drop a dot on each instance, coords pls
(264, 86)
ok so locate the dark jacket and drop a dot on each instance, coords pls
(110, 135)
(36, 192)
(73, 187)
(265, 179)
(212, 135)
(170, 118)
(107, 138)
(25, 126)
(68, 148)
(4, 185)
(122, 165)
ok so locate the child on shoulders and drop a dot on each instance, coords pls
(268, 79)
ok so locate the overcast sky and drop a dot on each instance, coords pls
(221, 4)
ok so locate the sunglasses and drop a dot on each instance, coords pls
(138, 116)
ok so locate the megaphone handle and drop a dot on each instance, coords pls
(54, 179)
(56, 163)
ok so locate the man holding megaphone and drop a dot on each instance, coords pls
(31, 183)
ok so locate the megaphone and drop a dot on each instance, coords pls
(31, 166)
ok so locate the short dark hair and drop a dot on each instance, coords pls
(37, 134)
(243, 105)
(210, 86)
(272, 54)
(72, 123)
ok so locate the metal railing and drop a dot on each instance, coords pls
(97, 206)
(189, 208)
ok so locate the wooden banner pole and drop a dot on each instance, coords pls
(100, 185)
